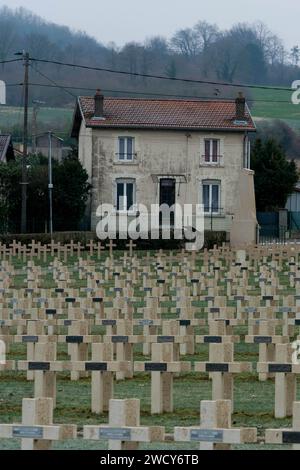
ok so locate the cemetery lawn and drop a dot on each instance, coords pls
(254, 400)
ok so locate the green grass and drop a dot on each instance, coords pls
(59, 120)
(253, 400)
(279, 107)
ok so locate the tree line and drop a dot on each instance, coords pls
(245, 53)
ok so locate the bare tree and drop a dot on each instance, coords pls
(225, 58)
(7, 35)
(157, 45)
(39, 46)
(112, 54)
(186, 42)
(207, 33)
(275, 50)
(295, 55)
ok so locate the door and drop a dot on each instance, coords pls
(167, 188)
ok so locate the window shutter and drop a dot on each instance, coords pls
(207, 150)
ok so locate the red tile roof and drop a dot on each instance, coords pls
(165, 114)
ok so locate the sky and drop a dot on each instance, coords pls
(122, 21)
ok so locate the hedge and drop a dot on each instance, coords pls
(210, 239)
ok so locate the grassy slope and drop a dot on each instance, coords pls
(56, 119)
(280, 108)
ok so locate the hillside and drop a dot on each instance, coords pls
(244, 54)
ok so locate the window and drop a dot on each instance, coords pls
(125, 194)
(211, 196)
(126, 148)
(211, 150)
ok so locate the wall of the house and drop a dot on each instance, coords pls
(244, 227)
(85, 153)
(42, 147)
(163, 153)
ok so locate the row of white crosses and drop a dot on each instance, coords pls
(124, 431)
(39, 250)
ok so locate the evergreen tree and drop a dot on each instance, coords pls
(275, 177)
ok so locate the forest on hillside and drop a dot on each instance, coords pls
(247, 53)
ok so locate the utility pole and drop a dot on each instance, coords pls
(24, 182)
(50, 184)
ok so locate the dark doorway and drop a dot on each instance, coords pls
(167, 188)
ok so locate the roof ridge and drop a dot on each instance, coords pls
(128, 98)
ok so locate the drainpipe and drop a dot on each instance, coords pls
(257, 233)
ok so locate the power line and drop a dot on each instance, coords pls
(161, 77)
(130, 92)
(14, 84)
(9, 61)
(52, 81)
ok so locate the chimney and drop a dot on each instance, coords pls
(240, 105)
(99, 100)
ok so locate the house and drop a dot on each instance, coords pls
(293, 201)
(6, 148)
(170, 151)
(42, 146)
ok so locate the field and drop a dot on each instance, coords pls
(279, 107)
(58, 120)
(254, 401)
